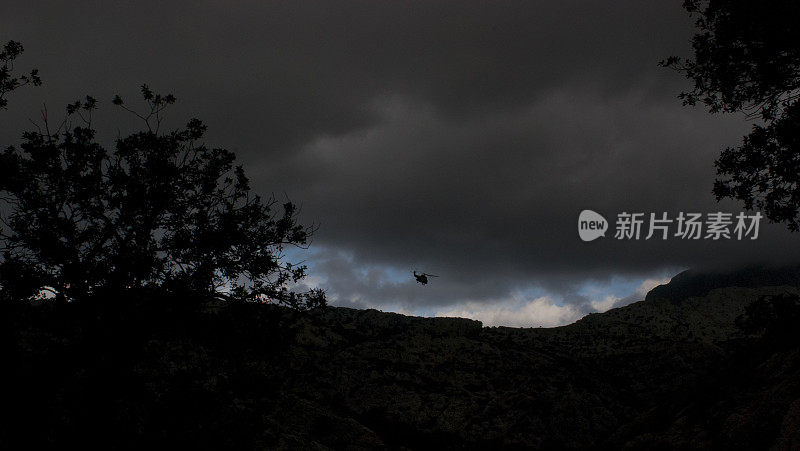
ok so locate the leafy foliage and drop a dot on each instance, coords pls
(160, 211)
(8, 82)
(747, 58)
(764, 172)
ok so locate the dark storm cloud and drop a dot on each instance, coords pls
(460, 138)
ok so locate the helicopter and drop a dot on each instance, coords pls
(423, 277)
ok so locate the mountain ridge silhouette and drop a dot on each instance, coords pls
(720, 370)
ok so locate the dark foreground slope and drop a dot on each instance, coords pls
(694, 372)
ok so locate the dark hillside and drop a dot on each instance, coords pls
(721, 370)
(692, 283)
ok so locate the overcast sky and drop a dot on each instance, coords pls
(456, 138)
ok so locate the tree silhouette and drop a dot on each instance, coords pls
(162, 211)
(747, 58)
(8, 82)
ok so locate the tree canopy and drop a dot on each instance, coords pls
(747, 58)
(162, 210)
(8, 81)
